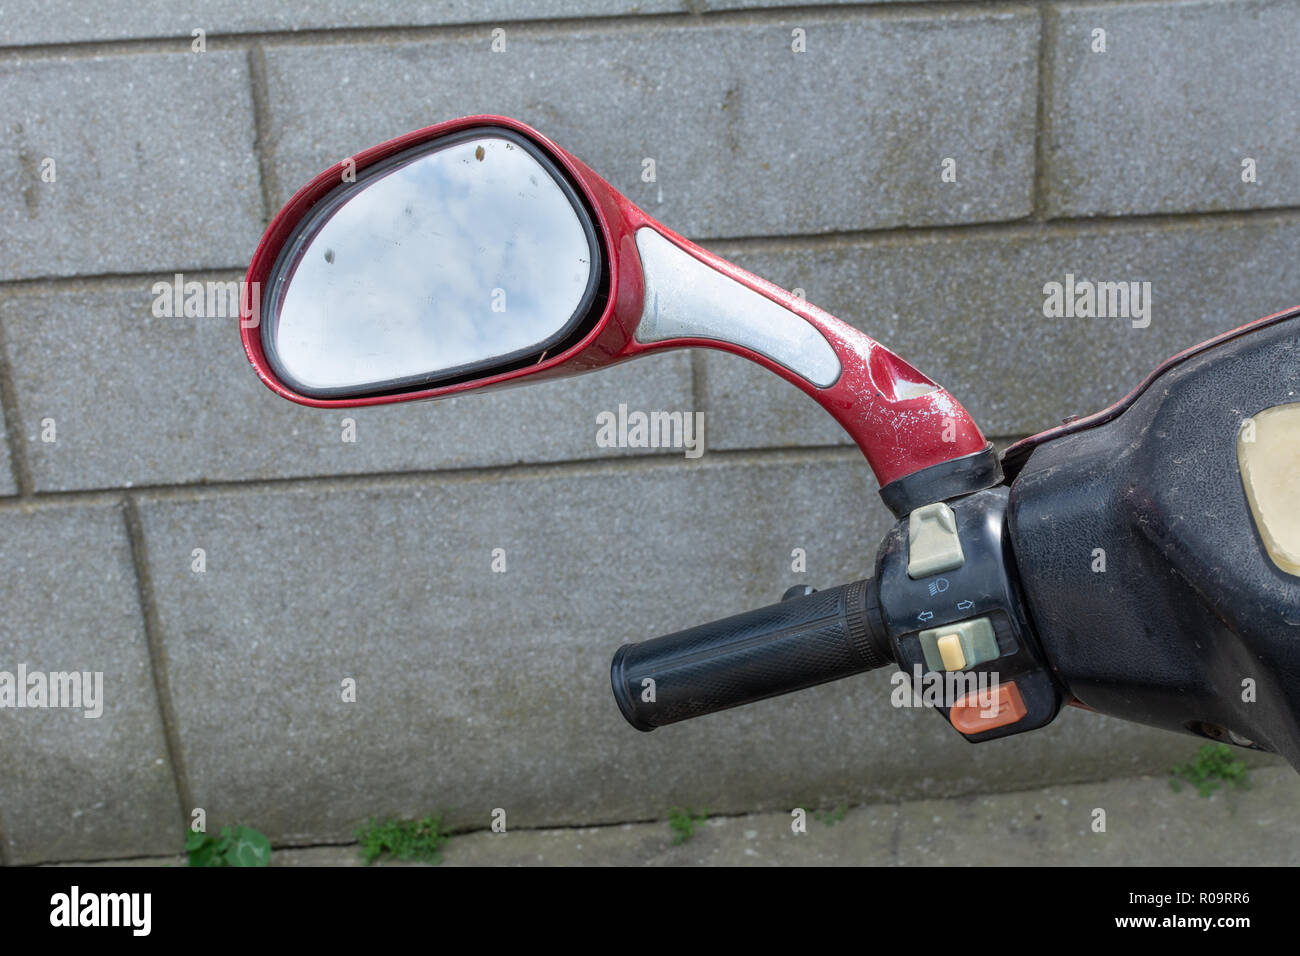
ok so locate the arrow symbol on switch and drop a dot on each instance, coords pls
(965, 605)
(925, 615)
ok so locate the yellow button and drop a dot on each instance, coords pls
(950, 652)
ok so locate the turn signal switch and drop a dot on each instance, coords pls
(949, 601)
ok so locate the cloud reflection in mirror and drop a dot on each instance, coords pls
(463, 255)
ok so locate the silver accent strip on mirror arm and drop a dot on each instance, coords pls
(687, 298)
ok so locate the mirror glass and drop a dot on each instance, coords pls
(462, 256)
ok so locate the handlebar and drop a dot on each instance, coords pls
(774, 650)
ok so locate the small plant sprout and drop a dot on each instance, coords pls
(832, 817)
(234, 846)
(1214, 766)
(684, 822)
(418, 840)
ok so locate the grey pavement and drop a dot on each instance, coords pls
(1145, 824)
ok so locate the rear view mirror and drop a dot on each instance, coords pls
(466, 254)
(477, 254)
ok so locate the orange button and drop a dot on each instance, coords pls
(976, 713)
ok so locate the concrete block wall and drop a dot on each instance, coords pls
(134, 440)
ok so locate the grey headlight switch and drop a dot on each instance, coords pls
(932, 542)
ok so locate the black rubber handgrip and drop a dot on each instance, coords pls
(788, 646)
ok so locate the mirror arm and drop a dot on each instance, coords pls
(917, 438)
